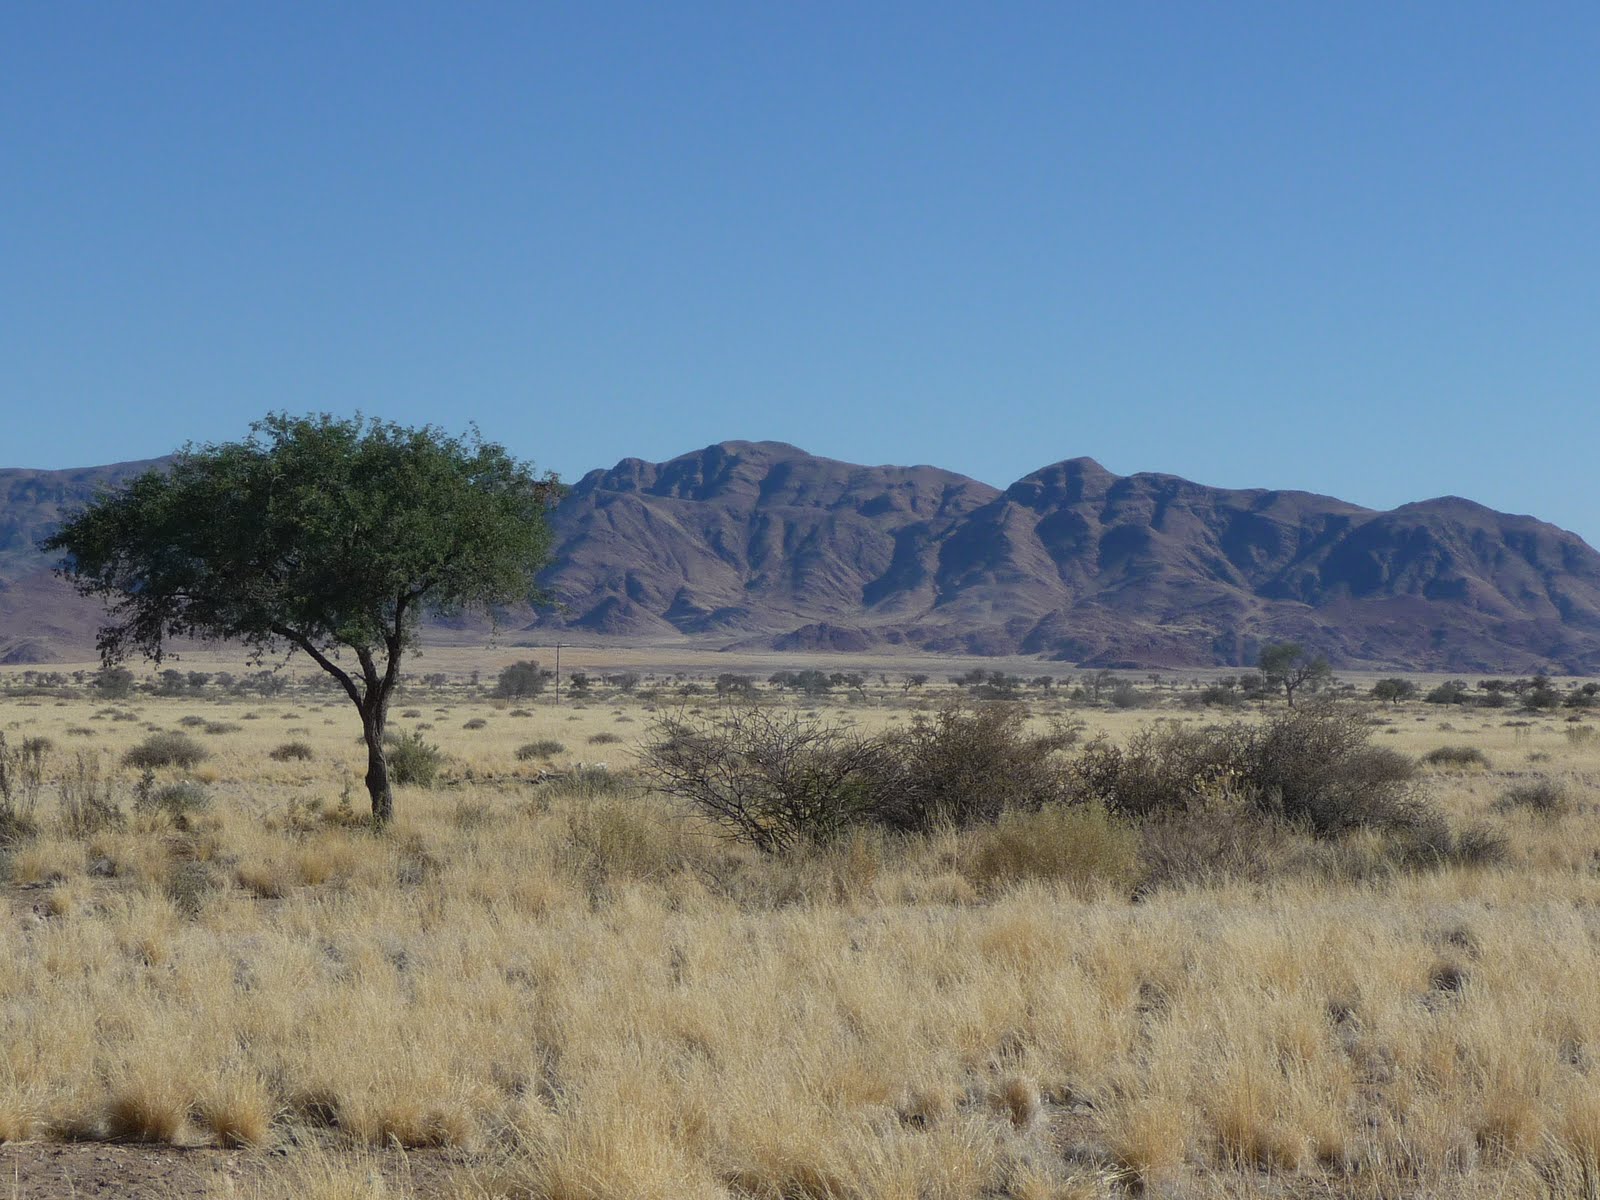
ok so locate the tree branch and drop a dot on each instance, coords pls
(322, 660)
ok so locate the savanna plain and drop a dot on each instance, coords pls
(1163, 941)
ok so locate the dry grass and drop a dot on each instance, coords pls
(579, 992)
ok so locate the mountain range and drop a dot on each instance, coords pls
(761, 546)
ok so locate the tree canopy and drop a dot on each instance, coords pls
(328, 535)
(1290, 666)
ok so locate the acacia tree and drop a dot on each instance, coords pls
(1288, 665)
(326, 535)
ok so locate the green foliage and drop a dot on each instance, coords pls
(1289, 667)
(320, 533)
(1394, 690)
(521, 679)
(114, 683)
(413, 762)
(314, 530)
(167, 750)
(1451, 691)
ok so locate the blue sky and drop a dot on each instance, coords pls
(1351, 248)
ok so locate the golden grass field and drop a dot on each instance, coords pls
(541, 984)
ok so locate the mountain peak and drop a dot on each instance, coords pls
(760, 545)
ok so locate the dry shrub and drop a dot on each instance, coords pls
(546, 748)
(149, 1104)
(772, 778)
(88, 804)
(1218, 838)
(175, 799)
(965, 765)
(1082, 847)
(1457, 758)
(21, 780)
(189, 885)
(264, 881)
(1313, 766)
(614, 838)
(166, 750)
(320, 1174)
(238, 1110)
(1543, 797)
(295, 751)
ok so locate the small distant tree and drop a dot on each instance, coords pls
(731, 684)
(914, 681)
(812, 683)
(1451, 691)
(1394, 690)
(114, 683)
(1290, 668)
(521, 679)
(320, 534)
(578, 684)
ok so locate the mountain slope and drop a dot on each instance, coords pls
(759, 545)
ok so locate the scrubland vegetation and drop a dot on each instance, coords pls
(809, 938)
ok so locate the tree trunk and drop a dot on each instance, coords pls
(377, 768)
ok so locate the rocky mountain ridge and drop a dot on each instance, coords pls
(759, 546)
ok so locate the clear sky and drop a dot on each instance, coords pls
(1352, 248)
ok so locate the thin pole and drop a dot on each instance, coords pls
(558, 674)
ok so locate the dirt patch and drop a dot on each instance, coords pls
(77, 1170)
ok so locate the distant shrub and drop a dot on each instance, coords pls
(547, 748)
(604, 739)
(475, 723)
(217, 728)
(521, 679)
(1457, 758)
(1125, 695)
(1544, 797)
(176, 799)
(166, 750)
(412, 761)
(292, 752)
(192, 721)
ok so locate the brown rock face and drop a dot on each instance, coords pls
(758, 545)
